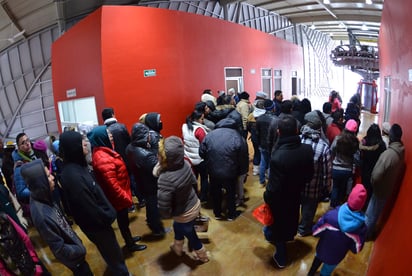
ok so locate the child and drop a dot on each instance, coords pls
(49, 220)
(340, 230)
(176, 196)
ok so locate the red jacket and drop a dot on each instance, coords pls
(111, 174)
(332, 131)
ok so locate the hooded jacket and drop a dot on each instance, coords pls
(225, 151)
(110, 169)
(339, 230)
(176, 195)
(19, 158)
(89, 206)
(121, 136)
(48, 218)
(142, 157)
(388, 170)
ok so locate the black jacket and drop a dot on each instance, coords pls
(263, 126)
(142, 157)
(89, 206)
(225, 151)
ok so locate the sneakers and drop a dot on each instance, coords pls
(132, 209)
(255, 169)
(302, 234)
(279, 262)
(136, 238)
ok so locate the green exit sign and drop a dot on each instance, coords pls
(149, 73)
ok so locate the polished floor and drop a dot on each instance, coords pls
(236, 248)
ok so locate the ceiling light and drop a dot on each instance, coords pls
(364, 28)
(342, 25)
(369, 2)
(312, 27)
(326, 2)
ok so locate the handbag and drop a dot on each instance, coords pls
(263, 214)
(201, 223)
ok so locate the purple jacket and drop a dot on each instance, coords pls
(339, 231)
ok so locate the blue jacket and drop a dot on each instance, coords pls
(339, 231)
(22, 192)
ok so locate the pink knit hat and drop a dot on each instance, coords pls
(40, 145)
(351, 125)
(357, 197)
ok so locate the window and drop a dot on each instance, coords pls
(79, 114)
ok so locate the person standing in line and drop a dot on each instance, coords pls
(258, 110)
(371, 147)
(194, 131)
(322, 177)
(121, 138)
(226, 155)
(265, 123)
(340, 230)
(90, 208)
(291, 166)
(112, 176)
(50, 221)
(344, 151)
(277, 99)
(386, 178)
(177, 198)
(142, 156)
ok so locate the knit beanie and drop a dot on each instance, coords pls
(357, 197)
(351, 125)
(40, 145)
(395, 133)
(312, 119)
(269, 104)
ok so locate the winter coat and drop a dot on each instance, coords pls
(369, 157)
(22, 191)
(225, 151)
(339, 231)
(121, 136)
(110, 170)
(291, 166)
(228, 111)
(18, 254)
(142, 157)
(322, 163)
(88, 204)
(263, 124)
(176, 195)
(244, 107)
(49, 220)
(388, 170)
(191, 143)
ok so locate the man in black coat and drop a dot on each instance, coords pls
(226, 155)
(291, 166)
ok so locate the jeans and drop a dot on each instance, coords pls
(264, 164)
(153, 215)
(308, 211)
(373, 212)
(187, 230)
(216, 185)
(340, 181)
(106, 243)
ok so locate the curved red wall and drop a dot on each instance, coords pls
(392, 249)
(105, 55)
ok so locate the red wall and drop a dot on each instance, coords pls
(392, 249)
(105, 55)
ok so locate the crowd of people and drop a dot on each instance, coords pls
(301, 157)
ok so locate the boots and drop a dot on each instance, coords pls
(201, 255)
(177, 247)
(255, 169)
